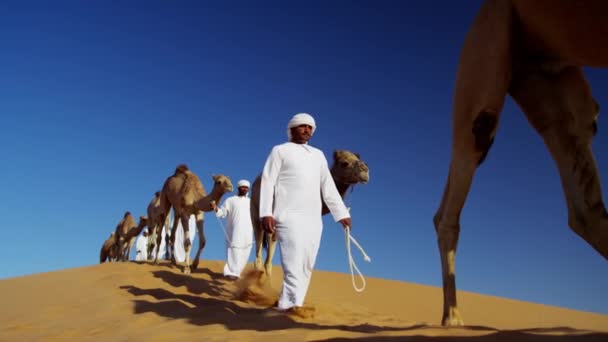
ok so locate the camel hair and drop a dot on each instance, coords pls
(109, 249)
(347, 170)
(533, 51)
(184, 192)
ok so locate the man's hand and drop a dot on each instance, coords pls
(269, 225)
(346, 222)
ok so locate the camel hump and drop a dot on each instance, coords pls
(181, 168)
(127, 213)
(157, 194)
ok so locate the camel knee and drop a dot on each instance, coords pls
(484, 130)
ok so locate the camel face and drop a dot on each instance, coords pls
(348, 168)
(223, 183)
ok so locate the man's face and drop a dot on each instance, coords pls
(243, 190)
(301, 134)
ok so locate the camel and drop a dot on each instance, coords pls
(126, 231)
(533, 51)
(156, 223)
(185, 193)
(347, 170)
(108, 249)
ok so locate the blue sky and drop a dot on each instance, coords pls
(100, 102)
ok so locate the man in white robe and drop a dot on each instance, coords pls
(141, 246)
(239, 230)
(295, 179)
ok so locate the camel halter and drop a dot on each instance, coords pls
(351, 261)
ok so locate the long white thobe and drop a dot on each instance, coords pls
(141, 248)
(239, 233)
(295, 178)
(180, 252)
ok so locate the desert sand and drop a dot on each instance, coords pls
(136, 302)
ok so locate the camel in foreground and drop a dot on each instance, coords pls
(347, 170)
(185, 193)
(109, 250)
(533, 51)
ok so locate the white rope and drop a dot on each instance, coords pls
(228, 240)
(351, 261)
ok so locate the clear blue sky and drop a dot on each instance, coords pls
(101, 100)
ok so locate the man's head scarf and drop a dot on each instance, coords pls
(301, 119)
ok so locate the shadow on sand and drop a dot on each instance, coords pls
(221, 308)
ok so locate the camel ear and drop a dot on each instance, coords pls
(358, 156)
(215, 177)
(336, 153)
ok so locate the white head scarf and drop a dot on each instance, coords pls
(301, 119)
(243, 182)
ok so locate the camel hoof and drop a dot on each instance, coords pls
(186, 270)
(194, 265)
(452, 319)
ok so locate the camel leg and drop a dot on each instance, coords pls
(482, 80)
(272, 245)
(562, 110)
(187, 243)
(159, 237)
(176, 219)
(259, 244)
(200, 225)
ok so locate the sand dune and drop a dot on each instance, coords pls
(129, 301)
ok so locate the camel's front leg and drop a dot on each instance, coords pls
(200, 226)
(484, 74)
(171, 244)
(563, 111)
(187, 243)
(272, 245)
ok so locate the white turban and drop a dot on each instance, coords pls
(243, 182)
(301, 119)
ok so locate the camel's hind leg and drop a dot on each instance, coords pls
(272, 246)
(562, 110)
(258, 234)
(202, 241)
(484, 73)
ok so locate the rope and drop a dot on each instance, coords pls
(228, 240)
(351, 261)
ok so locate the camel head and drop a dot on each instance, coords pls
(222, 183)
(143, 221)
(348, 168)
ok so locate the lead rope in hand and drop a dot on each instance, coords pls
(351, 261)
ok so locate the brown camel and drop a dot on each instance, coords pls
(185, 193)
(134, 232)
(109, 249)
(347, 170)
(533, 51)
(126, 231)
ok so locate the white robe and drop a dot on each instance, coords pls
(180, 252)
(141, 248)
(297, 175)
(239, 231)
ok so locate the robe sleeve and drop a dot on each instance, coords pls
(270, 175)
(223, 210)
(330, 193)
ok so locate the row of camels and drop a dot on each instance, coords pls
(185, 194)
